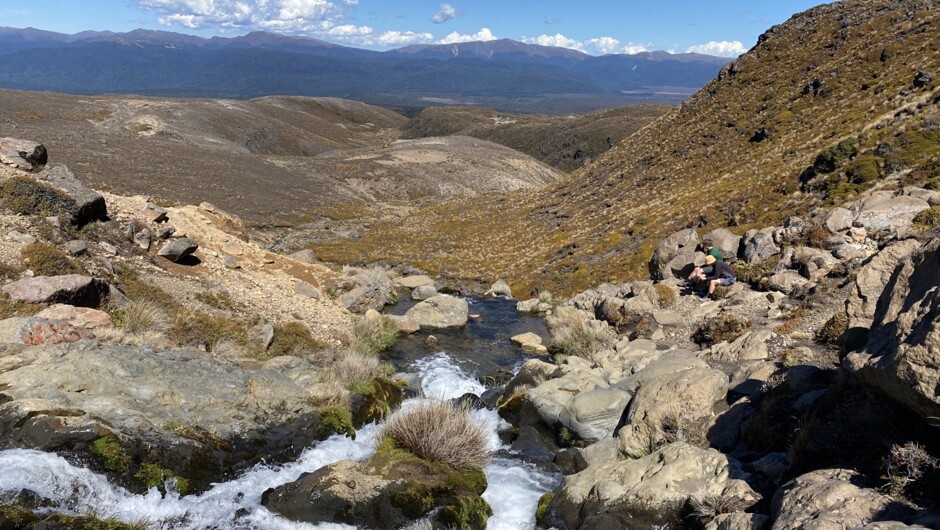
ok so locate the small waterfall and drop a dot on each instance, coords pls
(513, 492)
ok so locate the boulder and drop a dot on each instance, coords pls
(725, 241)
(681, 242)
(80, 317)
(739, 521)
(531, 374)
(649, 492)
(178, 249)
(593, 415)
(154, 213)
(231, 262)
(89, 204)
(411, 282)
(838, 220)
(423, 292)
(303, 256)
(262, 336)
(143, 239)
(902, 357)
(22, 154)
(550, 398)
(167, 231)
(20, 237)
(529, 342)
(884, 212)
(405, 324)
(385, 492)
(758, 245)
(826, 499)
(361, 299)
(441, 311)
(76, 247)
(871, 280)
(306, 290)
(499, 288)
(752, 345)
(72, 289)
(36, 331)
(786, 281)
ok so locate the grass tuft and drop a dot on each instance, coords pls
(440, 431)
(375, 335)
(574, 334)
(47, 260)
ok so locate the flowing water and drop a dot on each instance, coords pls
(513, 491)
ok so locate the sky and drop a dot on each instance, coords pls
(717, 27)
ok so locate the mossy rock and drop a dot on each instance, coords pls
(111, 455)
(157, 476)
(336, 420)
(542, 511)
(375, 401)
(14, 518)
(85, 522)
(511, 408)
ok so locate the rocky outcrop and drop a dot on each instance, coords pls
(885, 213)
(901, 358)
(178, 249)
(441, 311)
(89, 205)
(677, 250)
(826, 499)
(22, 154)
(649, 492)
(871, 280)
(72, 289)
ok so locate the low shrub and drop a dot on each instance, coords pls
(26, 196)
(14, 308)
(375, 335)
(835, 156)
(753, 273)
(905, 468)
(927, 219)
(140, 317)
(293, 338)
(437, 430)
(725, 327)
(831, 332)
(195, 328)
(216, 300)
(863, 170)
(47, 260)
(136, 289)
(667, 296)
(573, 333)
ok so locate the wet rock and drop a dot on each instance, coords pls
(530, 342)
(499, 288)
(178, 249)
(72, 289)
(89, 204)
(441, 311)
(405, 324)
(550, 398)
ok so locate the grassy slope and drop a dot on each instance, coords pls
(564, 142)
(694, 166)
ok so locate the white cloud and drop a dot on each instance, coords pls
(445, 13)
(277, 15)
(348, 30)
(483, 35)
(351, 3)
(634, 47)
(557, 39)
(605, 44)
(720, 48)
(399, 38)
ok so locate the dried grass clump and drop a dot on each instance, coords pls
(707, 507)
(667, 296)
(25, 196)
(141, 317)
(905, 465)
(575, 334)
(47, 260)
(725, 327)
(440, 431)
(375, 335)
(353, 369)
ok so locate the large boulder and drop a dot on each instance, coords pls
(725, 241)
(593, 415)
(759, 245)
(838, 220)
(550, 399)
(885, 212)
(34, 331)
(361, 299)
(22, 154)
(752, 345)
(441, 311)
(902, 357)
(649, 492)
(826, 499)
(871, 280)
(72, 289)
(786, 281)
(89, 204)
(499, 288)
(389, 490)
(681, 243)
(178, 249)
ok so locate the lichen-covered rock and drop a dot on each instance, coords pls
(649, 492)
(759, 245)
(22, 154)
(35, 331)
(884, 212)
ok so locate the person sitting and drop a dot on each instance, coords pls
(699, 273)
(722, 274)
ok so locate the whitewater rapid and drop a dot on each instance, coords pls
(513, 491)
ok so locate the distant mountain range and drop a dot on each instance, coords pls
(259, 63)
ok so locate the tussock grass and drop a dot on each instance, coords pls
(352, 369)
(375, 335)
(47, 260)
(141, 317)
(440, 431)
(25, 196)
(575, 334)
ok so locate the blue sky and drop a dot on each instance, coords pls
(720, 27)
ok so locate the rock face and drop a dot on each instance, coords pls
(886, 212)
(440, 311)
(72, 289)
(386, 492)
(871, 280)
(178, 249)
(89, 204)
(902, 358)
(649, 492)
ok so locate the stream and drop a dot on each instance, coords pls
(514, 485)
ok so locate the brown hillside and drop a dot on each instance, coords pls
(566, 142)
(840, 71)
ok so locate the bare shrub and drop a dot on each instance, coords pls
(440, 431)
(709, 506)
(676, 427)
(375, 335)
(574, 333)
(905, 465)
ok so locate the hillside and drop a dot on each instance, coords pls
(273, 160)
(739, 153)
(566, 142)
